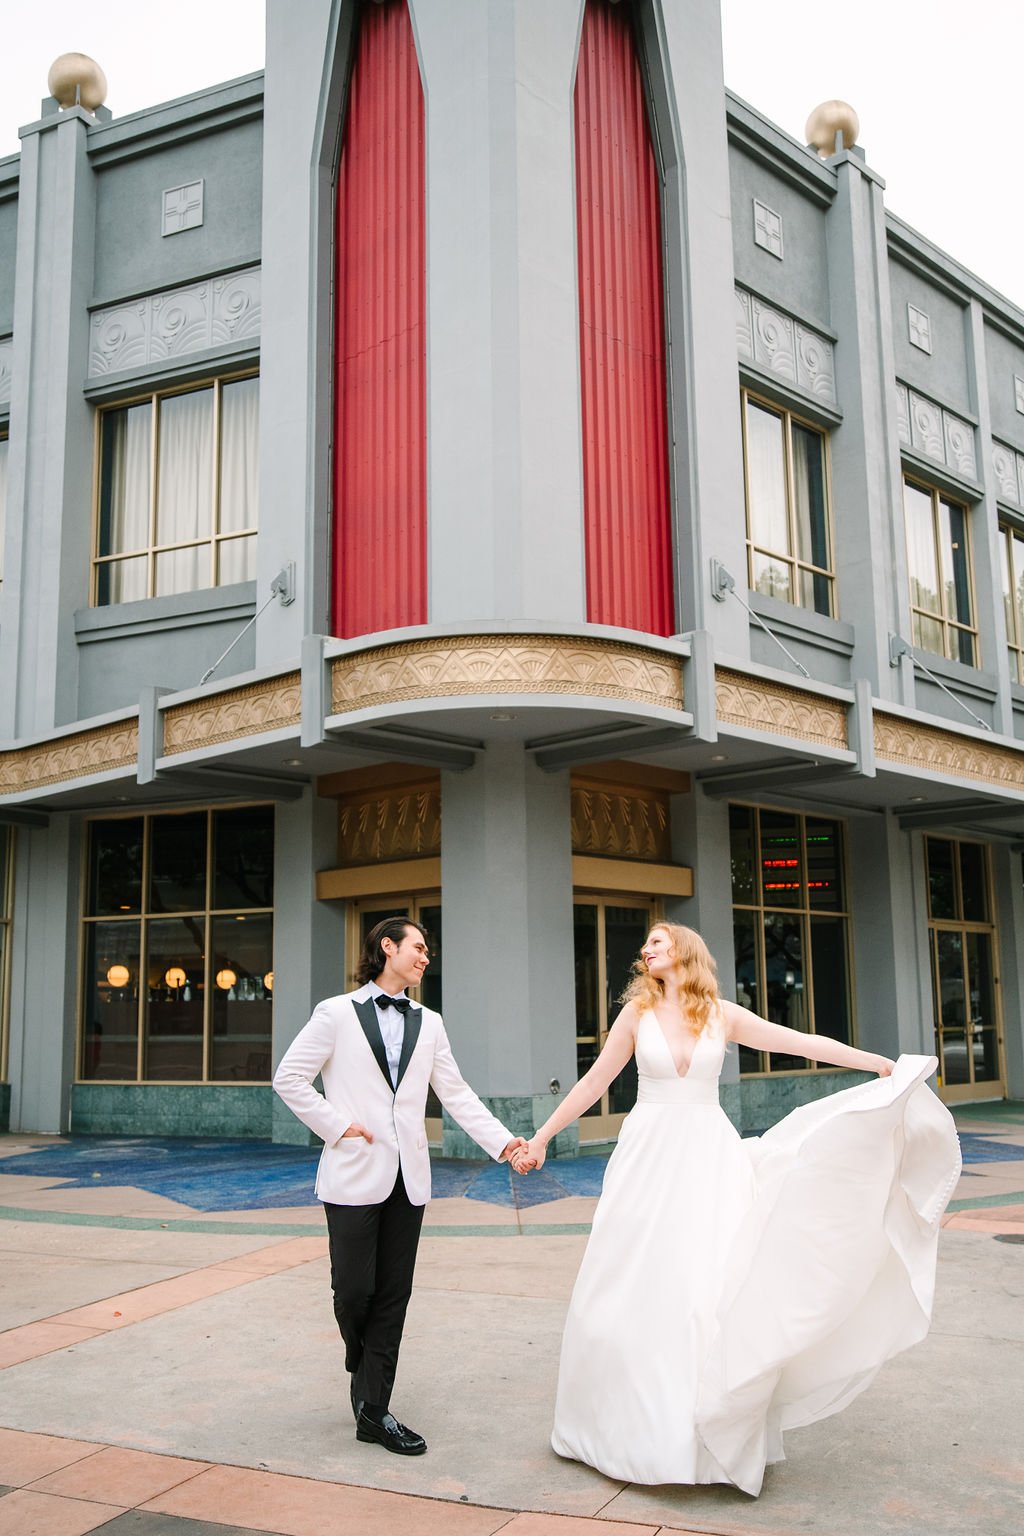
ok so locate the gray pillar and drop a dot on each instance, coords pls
(306, 52)
(509, 991)
(44, 971)
(503, 394)
(48, 554)
(986, 536)
(1009, 893)
(870, 548)
(888, 901)
(309, 935)
(683, 44)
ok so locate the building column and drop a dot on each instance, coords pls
(49, 525)
(503, 392)
(44, 977)
(509, 987)
(309, 935)
(889, 907)
(870, 548)
(1008, 889)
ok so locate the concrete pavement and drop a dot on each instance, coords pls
(169, 1363)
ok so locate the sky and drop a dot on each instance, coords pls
(936, 84)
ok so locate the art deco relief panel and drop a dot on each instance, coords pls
(1008, 468)
(70, 757)
(233, 715)
(936, 433)
(620, 822)
(168, 325)
(784, 347)
(920, 746)
(402, 821)
(780, 711)
(488, 664)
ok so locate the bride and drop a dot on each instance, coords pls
(733, 1289)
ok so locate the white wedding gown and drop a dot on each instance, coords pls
(733, 1289)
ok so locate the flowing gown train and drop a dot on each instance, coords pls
(733, 1289)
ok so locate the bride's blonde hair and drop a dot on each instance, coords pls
(696, 976)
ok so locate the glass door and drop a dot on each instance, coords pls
(608, 933)
(425, 910)
(965, 1003)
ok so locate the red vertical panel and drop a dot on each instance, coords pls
(380, 508)
(622, 362)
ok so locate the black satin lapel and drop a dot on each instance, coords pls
(366, 1013)
(413, 1020)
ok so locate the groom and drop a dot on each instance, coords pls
(378, 1053)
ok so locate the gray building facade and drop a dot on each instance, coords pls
(819, 763)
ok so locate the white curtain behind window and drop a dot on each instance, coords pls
(126, 471)
(127, 451)
(185, 490)
(239, 456)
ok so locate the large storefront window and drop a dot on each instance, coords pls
(790, 926)
(962, 944)
(178, 948)
(608, 935)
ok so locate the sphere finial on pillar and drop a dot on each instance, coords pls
(831, 127)
(75, 80)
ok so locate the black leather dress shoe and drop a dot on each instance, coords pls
(391, 1435)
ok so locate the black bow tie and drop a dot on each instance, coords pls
(401, 1003)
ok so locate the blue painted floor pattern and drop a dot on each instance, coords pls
(212, 1176)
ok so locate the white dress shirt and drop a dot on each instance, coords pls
(392, 1031)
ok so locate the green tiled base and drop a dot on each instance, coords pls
(763, 1101)
(151, 1109)
(522, 1113)
(5, 1106)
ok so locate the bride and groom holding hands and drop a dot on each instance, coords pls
(699, 1240)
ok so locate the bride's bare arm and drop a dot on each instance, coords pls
(618, 1048)
(748, 1029)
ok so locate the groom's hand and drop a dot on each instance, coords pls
(357, 1130)
(509, 1153)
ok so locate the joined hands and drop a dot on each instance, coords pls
(528, 1156)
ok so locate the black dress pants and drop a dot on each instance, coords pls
(373, 1255)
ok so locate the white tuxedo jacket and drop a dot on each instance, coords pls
(342, 1041)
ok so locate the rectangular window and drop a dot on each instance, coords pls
(3, 497)
(963, 946)
(791, 930)
(788, 536)
(939, 558)
(178, 948)
(178, 492)
(1011, 543)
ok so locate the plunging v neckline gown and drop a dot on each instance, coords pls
(733, 1289)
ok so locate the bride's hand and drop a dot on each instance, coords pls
(882, 1065)
(536, 1152)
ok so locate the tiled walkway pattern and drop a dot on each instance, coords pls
(51, 1486)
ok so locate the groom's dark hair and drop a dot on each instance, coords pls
(373, 959)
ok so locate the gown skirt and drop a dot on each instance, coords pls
(733, 1289)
